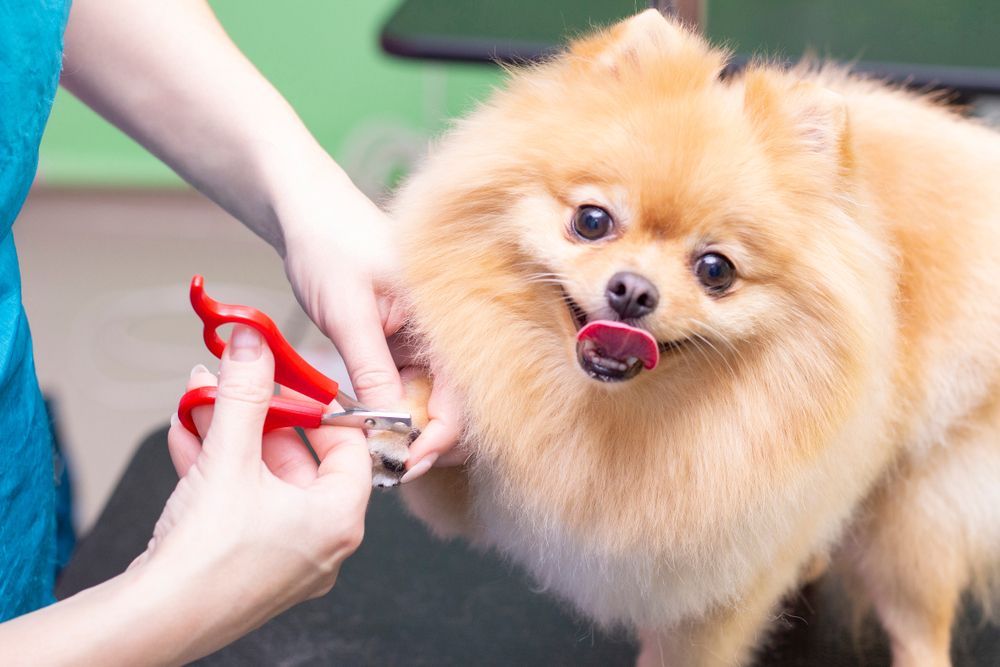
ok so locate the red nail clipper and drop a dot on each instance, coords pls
(290, 370)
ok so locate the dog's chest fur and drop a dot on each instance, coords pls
(632, 590)
(649, 587)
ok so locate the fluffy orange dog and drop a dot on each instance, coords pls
(809, 262)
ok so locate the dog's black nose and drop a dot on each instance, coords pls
(631, 295)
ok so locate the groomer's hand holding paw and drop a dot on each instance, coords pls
(436, 445)
(340, 259)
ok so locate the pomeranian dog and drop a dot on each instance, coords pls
(706, 331)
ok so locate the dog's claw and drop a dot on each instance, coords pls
(389, 451)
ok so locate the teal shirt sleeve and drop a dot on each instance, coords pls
(30, 60)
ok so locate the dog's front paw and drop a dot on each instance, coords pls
(389, 451)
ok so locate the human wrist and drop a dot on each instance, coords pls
(178, 611)
(304, 187)
(173, 613)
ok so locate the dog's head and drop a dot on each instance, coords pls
(625, 202)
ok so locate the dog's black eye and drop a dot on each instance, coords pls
(715, 272)
(592, 223)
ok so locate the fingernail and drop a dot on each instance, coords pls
(419, 468)
(244, 344)
(174, 420)
(200, 368)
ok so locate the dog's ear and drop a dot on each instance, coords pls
(646, 41)
(797, 114)
(629, 40)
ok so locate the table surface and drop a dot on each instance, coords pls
(406, 598)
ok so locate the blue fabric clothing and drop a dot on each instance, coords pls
(30, 60)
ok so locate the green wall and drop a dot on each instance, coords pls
(372, 112)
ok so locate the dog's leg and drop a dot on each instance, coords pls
(930, 531)
(725, 636)
(728, 635)
(906, 563)
(441, 500)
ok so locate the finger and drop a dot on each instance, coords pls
(434, 447)
(343, 455)
(443, 440)
(344, 481)
(202, 377)
(184, 447)
(443, 429)
(325, 439)
(360, 339)
(246, 385)
(288, 458)
(340, 450)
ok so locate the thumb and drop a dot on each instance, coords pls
(246, 384)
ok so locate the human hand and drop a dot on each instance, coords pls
(435, 408)
(438, 442)
(341, 263)
(340, 259)
(255, 525)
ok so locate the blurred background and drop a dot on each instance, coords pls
(110, 238)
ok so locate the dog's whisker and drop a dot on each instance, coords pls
(718, 337)
(707, 341)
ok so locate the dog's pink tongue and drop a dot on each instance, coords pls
(620, 341)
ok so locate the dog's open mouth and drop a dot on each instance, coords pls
(613, 351)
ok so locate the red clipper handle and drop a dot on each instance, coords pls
(281, 413)
(290, 369)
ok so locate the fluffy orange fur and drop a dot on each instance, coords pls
(844, 386)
